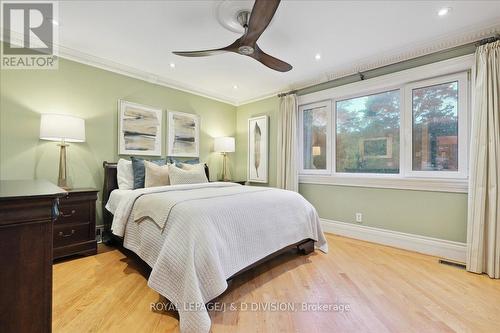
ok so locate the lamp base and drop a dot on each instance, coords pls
(225, 175)
(62, 182)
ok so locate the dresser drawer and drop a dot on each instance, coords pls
(72, 233)
(74, 212)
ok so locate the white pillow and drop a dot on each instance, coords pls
(125, 174)
(179, 176)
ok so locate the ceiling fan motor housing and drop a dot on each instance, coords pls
(246, 50)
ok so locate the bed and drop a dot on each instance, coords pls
(195, 237)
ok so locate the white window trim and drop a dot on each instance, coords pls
(389, 181)
(463, 134)
(328, 105)
(403, 180)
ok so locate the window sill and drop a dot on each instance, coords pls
(417, 184)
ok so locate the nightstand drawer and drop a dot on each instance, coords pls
(74, 212)
(74, 229)
(71, 233)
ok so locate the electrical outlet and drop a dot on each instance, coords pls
(359, 217)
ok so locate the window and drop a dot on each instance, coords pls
(367, 133)
(315, 133)
(408, 132)
(435, 127)
(438, 126)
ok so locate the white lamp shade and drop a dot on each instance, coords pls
(59, 127)
(224, 144)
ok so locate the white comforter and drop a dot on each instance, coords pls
(208, 238)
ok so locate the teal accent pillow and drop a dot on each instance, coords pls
(140, 171)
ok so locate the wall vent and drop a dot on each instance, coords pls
(452, 263)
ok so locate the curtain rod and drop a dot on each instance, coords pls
(395, 67)
(287, 93)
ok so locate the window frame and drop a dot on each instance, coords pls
(439, 71)
(463, 135)
(328, 105)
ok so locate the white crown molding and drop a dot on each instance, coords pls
(260, 98)
(464, 36)
(427, 245)
(119, 68)
(410, 51)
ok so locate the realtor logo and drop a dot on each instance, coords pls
(29, 35)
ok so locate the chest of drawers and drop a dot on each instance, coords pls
(27, 212)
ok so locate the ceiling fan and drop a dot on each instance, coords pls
(254, 24)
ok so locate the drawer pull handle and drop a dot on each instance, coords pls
(61, 234)
(68, 215)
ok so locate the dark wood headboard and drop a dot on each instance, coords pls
(110, 184)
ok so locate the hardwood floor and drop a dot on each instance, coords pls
(387, 290)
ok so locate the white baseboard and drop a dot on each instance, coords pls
(422, 244)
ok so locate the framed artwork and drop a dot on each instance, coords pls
(139, 129)
(257, 149)
(183, 134)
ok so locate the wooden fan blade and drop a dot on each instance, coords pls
(262, 13)
(204, 53)
(270, 61)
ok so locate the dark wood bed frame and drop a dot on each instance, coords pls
(305, 246)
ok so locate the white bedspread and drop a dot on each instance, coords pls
(207, 239)
(114, 199)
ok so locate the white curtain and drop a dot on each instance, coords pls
(483, 232)
(287, 173)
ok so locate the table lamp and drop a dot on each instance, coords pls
(224, 145)
(62, 128)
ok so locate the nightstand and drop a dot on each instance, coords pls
(74, 229)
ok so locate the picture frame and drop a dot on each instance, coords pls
(258, 136)
(139, 129)
(183, 139)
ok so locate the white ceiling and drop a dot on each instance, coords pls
(140, 36)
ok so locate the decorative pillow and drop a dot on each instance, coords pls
(181, 176)
(125, 174)
(155, 175)
(140, 172)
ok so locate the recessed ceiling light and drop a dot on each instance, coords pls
(317, 56)
(54, 22)
(444, 11)
(235, 87)
(172, 65)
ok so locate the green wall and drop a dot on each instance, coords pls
(92, 94)
(434, 214)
